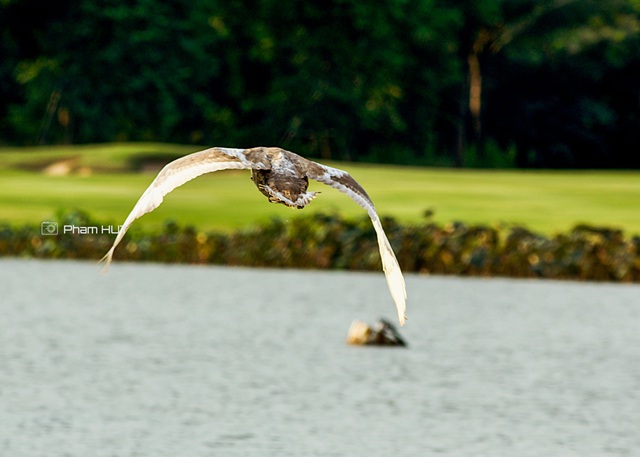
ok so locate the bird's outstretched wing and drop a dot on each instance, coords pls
(181, 171)
(341, 180)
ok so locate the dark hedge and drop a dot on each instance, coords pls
(331, 241)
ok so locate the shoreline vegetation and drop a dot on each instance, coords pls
(331, 241)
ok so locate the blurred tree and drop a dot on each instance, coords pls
(580, 66)
(543, 87)
(23, 26)
(113, 70)
(408, 81)
(337, 79)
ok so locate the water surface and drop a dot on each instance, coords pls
(155, 360)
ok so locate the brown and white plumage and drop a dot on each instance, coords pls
(283, 177)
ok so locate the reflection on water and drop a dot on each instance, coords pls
(154, 360)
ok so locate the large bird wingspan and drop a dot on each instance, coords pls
(341, 180)
(176, 174)
(193, 165)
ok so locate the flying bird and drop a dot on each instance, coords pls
(283, 177)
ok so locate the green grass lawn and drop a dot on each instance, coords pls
(544, 201)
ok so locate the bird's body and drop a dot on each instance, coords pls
(283, 177)
(284, 182)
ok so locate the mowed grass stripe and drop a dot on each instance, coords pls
(544, 201)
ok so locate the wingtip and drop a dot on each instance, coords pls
(105, 261)
(402, 310)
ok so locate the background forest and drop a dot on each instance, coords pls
(490, 83)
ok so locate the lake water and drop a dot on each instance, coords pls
(155, 360)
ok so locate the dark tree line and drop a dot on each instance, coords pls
(531, 83)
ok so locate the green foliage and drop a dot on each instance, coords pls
(556, 100)
(330, 241)
(492, 157)
(329, 78)
(387, 81)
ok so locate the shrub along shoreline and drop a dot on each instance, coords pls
(333, 242)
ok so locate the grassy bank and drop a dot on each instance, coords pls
(106, 181)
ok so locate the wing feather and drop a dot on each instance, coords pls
(341, 180)
(176, 174)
